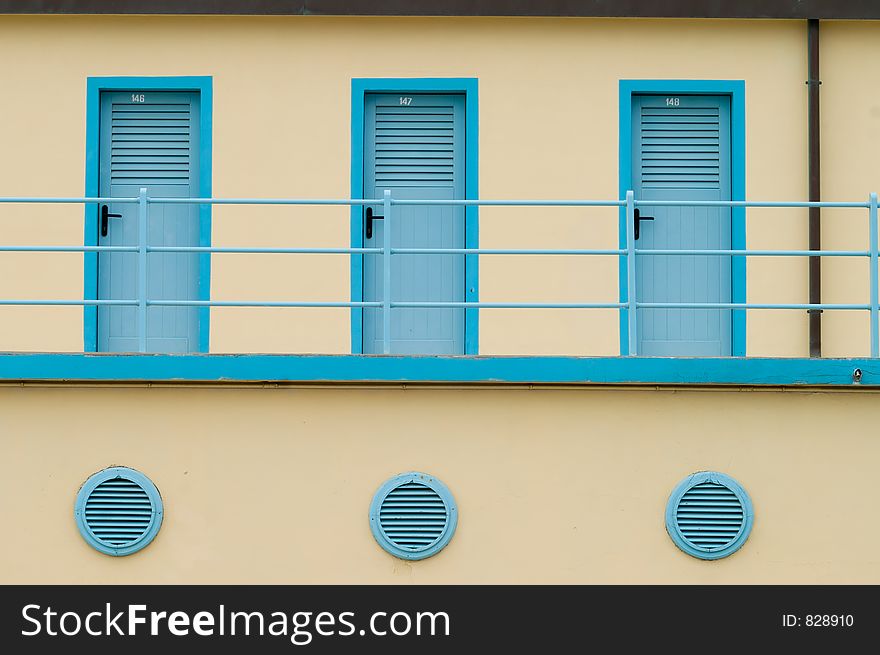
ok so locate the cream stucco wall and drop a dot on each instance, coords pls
(850, 119)
(548, 128)
(553, 485)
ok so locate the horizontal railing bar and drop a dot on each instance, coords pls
(257, 303)
(452, 305)
(223, 250)
(262, 201)
(734, 305)
(749, 203)
(513, 203)
(438, 251)
(761, 253)
(510, 305)
(106, 201)
(499, 251)
(68, 248)
(68, 302)
(458, 202)
(471, 202)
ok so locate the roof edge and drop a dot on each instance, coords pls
(780, 9)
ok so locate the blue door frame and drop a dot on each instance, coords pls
(360, 87)
(95, 86)
(736, 90)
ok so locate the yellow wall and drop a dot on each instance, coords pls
(850, 117)
(548, 128)
(553, 485)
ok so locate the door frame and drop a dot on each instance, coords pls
(203, 85)
(735, 90)
(360, 87)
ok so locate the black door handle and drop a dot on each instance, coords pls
(105, 215)
(637, 217)
(369, 222)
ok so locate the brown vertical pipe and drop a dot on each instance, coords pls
(815, 234)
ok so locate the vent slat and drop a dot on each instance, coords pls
(118, 504)
(407, 149)
(418, 140)
(418, 159)
(680, 111)
(152, 165)
(678, 119)
(165, 150)
(119, 509)
(117, 496)
(139, 120)
(416, 168)
(442, 120)
(711, 505)
(719, 503)
(417, 127)
(167, 118)
(696, 534)
(382, 109)
(697, 150)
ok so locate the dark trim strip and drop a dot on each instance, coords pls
(815, 226)
(793, 9)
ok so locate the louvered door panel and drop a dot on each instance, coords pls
(416, 151)
(154, 144)
(681, 148)
(681, 151)
(150, 144)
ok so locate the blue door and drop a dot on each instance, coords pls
(149, 139)
(414, 147)
(681, 151)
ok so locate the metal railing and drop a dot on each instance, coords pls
(386, 304)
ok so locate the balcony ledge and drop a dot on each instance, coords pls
(393, 369)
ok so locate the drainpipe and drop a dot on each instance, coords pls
(815, 235)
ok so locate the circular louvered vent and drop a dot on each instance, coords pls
(709, 515)
(413, 516)
(118, 511)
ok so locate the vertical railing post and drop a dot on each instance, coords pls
(875, 303)
(142, 271)
(632, 323)
(386, 279)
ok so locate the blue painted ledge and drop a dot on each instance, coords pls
(394, 369)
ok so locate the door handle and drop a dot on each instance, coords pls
(369, 223)
(638, 218)
(105, 216)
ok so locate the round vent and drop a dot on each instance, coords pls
(413, 516)
(118, 511)
(709, 515)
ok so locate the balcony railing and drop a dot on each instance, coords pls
(387, 304)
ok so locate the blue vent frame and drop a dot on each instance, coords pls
(672, 526)
(440, 542)
(114, 473)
